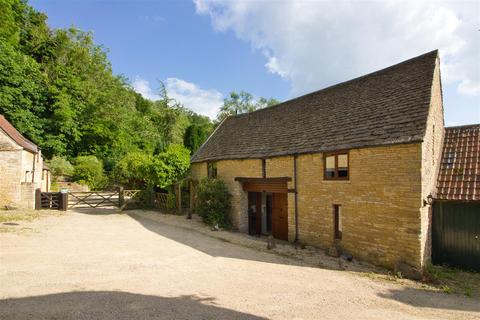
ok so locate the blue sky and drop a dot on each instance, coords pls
(204, 49)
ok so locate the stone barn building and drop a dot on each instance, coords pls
(352, 165)
(21, 168)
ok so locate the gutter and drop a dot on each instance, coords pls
(295, 156)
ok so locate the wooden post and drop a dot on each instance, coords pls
(179, 198)
(190, 189)
(121, 197)
(38, 199)
(63, 201)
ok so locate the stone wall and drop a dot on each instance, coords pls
(379, 204)
(20, 173)
(228, 170)
(10, 177)
(10, 171)
(431, 159)
(28, 194)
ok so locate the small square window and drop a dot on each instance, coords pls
(212, 169)
(336, 166)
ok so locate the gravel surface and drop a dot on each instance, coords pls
(105, 265)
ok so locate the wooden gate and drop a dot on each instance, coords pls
(93, 199)
(456, 234)
(50, 200)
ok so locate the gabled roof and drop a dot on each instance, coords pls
(389, 106)
(459, 176)
(16, 136)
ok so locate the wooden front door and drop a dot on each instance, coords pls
(255, 203)
(280, 216)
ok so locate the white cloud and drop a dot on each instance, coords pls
(205, 102)
(142, 86)
(315, 44)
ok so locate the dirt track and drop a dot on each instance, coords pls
(97, 266)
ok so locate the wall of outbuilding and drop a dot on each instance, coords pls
(380, 203)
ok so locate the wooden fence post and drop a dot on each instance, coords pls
(63, 201)
(179, 197)
(38, 199)
(121, 197)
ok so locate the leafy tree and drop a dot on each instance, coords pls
(134, 170)
(175, 162)
(60, 166)
(141, 170)
(22, 92)
(195, 136)
(89, 170)
(242, 102)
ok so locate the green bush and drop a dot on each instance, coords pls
(213, 202)
(89, 170)
(60, 166)
(134, 170)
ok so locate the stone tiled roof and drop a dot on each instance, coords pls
(389, 106)
(16, 136)
(459, 175)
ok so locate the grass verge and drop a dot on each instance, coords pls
(453, 280)
(12, 220)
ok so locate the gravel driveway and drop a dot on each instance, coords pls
(118, 266)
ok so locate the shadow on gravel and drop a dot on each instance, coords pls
(425, 299)
(214, 247)
(98, 211)
(115, 305)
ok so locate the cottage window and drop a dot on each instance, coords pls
(212, 169)
(336, 166)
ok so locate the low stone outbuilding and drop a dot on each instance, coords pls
(456, 204)
(351, 165)
(22, 170)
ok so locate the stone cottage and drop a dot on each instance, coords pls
(350, 165)
(21, 168)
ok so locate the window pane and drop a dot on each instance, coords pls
(342, 161)
(343, 165)
(330, 162)
(212, 169)
(342, 172)
(330, 173)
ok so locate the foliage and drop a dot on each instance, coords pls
(195, 136)
(89, 170)
(58, 89)
(176, 160)
(213, 202)
(134, 170)
(60, 166)
(141, 170)
(242, 102)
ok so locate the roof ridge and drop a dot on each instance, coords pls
(388, 106)
(342, 83)
(464, 126)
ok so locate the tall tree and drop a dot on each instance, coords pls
(242, 102)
